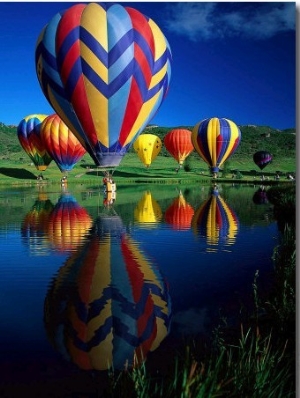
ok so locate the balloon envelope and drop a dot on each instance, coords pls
(30, 139)
(61, 143)
(147, 147)
(178, 143)
(215, 140)
(262, 159)
(105, 69)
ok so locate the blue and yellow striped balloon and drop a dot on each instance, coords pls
(105, 69)
(109, 305)
(215, 140)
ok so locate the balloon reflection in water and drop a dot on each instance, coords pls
(179, 214)
(68, 224)
(260, 197)
(148, 211)
(34, 225)
(216, 221)
(108, 306)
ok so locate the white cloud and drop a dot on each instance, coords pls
(218, 20)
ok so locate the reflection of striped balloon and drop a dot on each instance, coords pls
(148, 211)
(179, 214)
(215, 140)
(68, 224)
(105, 69)
(108, 305)
(30, 139)
(34, 225)
(216, 221)
(61, 143)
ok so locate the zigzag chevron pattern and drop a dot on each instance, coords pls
(105, 69)
(118, 305)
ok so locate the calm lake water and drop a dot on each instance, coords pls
(86, 284)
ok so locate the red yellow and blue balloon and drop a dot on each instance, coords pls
(105, 69)
(61, 143)
(216, 140)
(29, 136)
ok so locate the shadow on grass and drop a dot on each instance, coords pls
(17, 173)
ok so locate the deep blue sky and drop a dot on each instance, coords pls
(235, 60)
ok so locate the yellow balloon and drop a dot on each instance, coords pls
(147, 147)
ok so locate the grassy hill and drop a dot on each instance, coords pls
(280, 143)
(16, 167)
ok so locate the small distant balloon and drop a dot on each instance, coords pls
(61, 143)
(147, 147)
(216, 140)
(29, 136)
(262, 159)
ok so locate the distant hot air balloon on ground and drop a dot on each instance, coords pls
(147, 147)
(215, 221)
(262, 159)
(179, 214)
(178, 143)
(216, 140)
(108, 306)
(61, 143)
(30, 139)
(105, 69)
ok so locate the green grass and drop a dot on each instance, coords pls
(19, 170)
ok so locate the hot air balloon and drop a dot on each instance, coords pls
(262, 159)
(61, 143)
(68, 224)
(179, 214)
(215, 140)
(108, 306)
(215, 221)
(105, 69)
(148, 211)
(30, 139)
(147, 147)
(178, 143)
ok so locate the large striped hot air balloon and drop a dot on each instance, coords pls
(215, 140)
(30, 139)
(61, 143)
(215, 221)
(147, 147)
(178, 143)
(105, 69)
(108, 306)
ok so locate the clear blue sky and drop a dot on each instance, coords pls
(235, 60)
